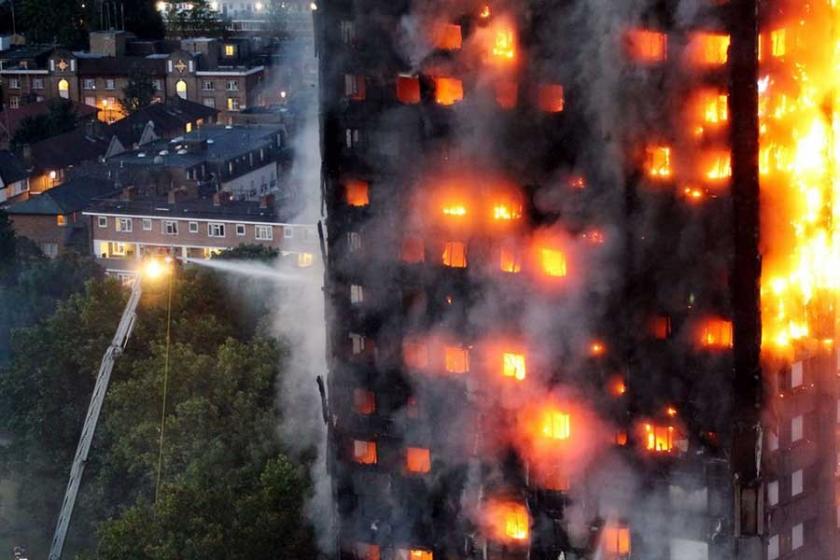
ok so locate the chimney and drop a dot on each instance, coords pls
(267, 201)
(129, 193)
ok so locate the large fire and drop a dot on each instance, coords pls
(507, 521)
(799, 124)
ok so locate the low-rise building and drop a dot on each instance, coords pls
(14, 177)
(128, 228)
(53, 219)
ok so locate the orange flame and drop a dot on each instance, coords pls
(504, 47)
(513, 365)
(357, 193)
(418, 460)
(658, 162)
(448, 91)
(507, 521)
(364, 452)
(647, 46)
(615, 540)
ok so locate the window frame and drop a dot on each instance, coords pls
(165, 226)
(147, 224)
(193, 227)
(102, 221)
(261, 228)
(124, 225)
(219, 227)
(240, 230)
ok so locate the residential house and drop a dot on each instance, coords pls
(14, 177)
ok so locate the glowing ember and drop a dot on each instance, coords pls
(456, 359)
(507, 521)
(556, 425)
(357, 193)
(455, 254)
(485, 12)
(364, 452)
(694, 194)
(597, 348)
(448, 91)
(615, 540)
(616, 386)
(660, 327)
(553, 262)
(513, 365)
(647, 46)
(577, 182)
(506, 212)
(418, 460)
(658, 162)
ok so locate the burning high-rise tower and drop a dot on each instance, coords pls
(554, 329)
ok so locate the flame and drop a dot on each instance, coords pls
(414, 554)
(454, 254)
(719, 166)
(647, 46)
(504, 45)
(364, 402)
(418, 460)
(556, 424)
(711, 48)
(509, 260)
(357, 193)
(447, 37)
(507, 521)
(408, 89)
(448, 91)
(658, 162)
(485, 12)
(658, 438)
(553, 262)
(616, 386)
(597, 348)
(551, 98)
(615, 540)
(455, 210)
(716, 333)
(364, 452)
(366, 551)
(456, 359)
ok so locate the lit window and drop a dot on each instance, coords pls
(553, 262)
(550, 98)
(418, 460)
(61, 220)
(447, 37)
(658, 162)
(509, 260)
(773, 493)
(181, 89)
(356, 193)
(147, 224)
(193, 227)
(364, 452)
(659, 438)
(796, 428)
(216, 230)
(448, 91)
(456, 359)
(63, 89)
(513, 365)
(123, 224)
(778, 43)
(717, 333)
(304, 260)
(796, 483)
(230, 50)
(413, 250)
(557, 425)
(102, 221)
(647, 46)
(414, 554)
(233, 104)
(711, 48)
(455, 254)
(357, 294)
(263, 233)
(616, 540)
(364, 402)
(408, 89)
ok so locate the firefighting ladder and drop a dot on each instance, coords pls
(99, 390)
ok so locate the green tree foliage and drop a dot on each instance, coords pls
(64, 22)
(138, 92)
(227, 489)
(60, 117)
(252, 252)
(194, 19)
(143, 19)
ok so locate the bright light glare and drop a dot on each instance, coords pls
(153, 269)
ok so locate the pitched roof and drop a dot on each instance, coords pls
(197, 208)
(67, 149)
(12, 169)
(168, 118)
(94, 65)
(72, 196)
(10, 119)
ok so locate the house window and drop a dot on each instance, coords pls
(208, 85)
(797, 536)
(773, 547)
(118, 249)
(49, 249)
(230, 50)
(14, 83)
(90, 101)
(209, 102)
(147, 224)
(193, 227)
(109, 84)
(181, 89)
(354, 241)
(216, 230)
(796, 375)
(240, 229)
(357, 294)
(348, 32)
(354, 87)
(14, 102)
(89, 83)
(38, 83)
(796, 428)
(263, 233)
(102, 221)
(233, 103)
(61, 220)
(304, 260)
(232, 85)
(288, 232)
(796, 482)
(123, 224)
(64, 89)
(169, 227)
(773, 493)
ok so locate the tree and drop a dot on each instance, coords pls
(7, 244)
(194, 19)
(249, 252)
(60, 117)
(139, 91)
(64, 22)
(143, 19)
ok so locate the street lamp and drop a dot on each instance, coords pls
(150, 271)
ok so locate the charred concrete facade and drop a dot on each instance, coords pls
(544, 288)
